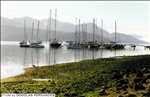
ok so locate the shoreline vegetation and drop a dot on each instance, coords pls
(124, 76)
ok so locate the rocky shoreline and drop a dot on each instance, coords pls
(132, 80)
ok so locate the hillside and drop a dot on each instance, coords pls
(12, 30)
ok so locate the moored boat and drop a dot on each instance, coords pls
(114, 45)
(24, 43)
(38, 43)
(93, 44)
(55, 43)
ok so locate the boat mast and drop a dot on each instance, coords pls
(32, 32)
(84, 33)
(96, 29)
(55, 23)
(79, 30)
(25, 31)
(102, 31)
(50, 25)
(102, 38)
(76, 32)
(115, 32)
(38, 39)
(25, 36)
(93, 28)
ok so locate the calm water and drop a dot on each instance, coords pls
(14, 59)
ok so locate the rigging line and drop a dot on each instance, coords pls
(104, 27)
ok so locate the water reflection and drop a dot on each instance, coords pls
(25, 57)
(75, 55)
(14, 58)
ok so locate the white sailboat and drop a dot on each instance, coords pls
(24, 43)
(38, 43)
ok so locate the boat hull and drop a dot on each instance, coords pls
(93, 46)
(114, 46)
(24, 45)
(56, 45)
(117, 47)
(37, 45)
(77, 46)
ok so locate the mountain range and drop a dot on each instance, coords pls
(13, 30)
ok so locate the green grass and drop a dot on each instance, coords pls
(78, 78)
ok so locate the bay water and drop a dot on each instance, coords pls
(14, 58)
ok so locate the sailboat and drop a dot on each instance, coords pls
(75, 45)
(24, 43)
(83, 43)
(115, 45)
(38, 43)
(78, 44)
(55, 43)
(102, 46)
(93, 44)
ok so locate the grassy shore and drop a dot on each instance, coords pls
(107, 77)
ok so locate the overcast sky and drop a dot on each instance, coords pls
(132, 16)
